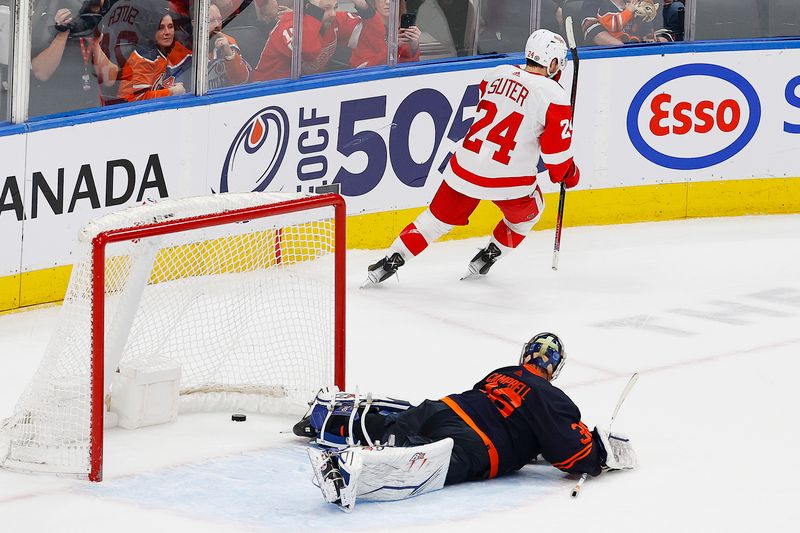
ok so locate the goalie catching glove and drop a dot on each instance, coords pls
(620, 454)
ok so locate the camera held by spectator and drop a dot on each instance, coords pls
(85, 22)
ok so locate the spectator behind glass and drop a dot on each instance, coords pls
(120, 34)
(457, 14)
(225, 64)
(371, 49)
(252, 21)
(323, 30)
(63, 76)
(673, 12)
(615, 22)
(181, 12)
(5, 47)
(504, 25)
(263, 13)
(158, 66)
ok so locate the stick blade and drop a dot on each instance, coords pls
(570, 32)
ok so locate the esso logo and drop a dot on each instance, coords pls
(702, 118)
(693, 116)
(256, 153)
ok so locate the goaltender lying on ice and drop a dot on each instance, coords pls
(385, 449)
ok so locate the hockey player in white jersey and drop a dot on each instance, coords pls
(523, 113)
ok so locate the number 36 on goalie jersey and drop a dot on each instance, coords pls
(520, 117)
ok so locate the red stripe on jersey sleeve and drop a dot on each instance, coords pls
(557, 138)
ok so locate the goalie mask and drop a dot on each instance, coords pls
(546, 351)
(543, 46)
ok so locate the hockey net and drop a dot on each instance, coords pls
(243, 291)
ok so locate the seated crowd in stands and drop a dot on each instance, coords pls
(91, 53)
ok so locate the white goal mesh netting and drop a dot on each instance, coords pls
(246, 309)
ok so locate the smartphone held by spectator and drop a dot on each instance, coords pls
(370, 48)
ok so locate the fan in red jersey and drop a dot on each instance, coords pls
(324, 29)
(370, 44)
(523, 113)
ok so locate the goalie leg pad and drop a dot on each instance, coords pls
(619, 450)
(388, 474)
(380, 473)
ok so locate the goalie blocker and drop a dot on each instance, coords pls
(368, 448)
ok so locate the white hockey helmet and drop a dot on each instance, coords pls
(543, 46)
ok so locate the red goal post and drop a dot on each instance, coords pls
(252, 262)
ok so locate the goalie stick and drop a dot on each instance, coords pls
(631, 382)
(562, 196)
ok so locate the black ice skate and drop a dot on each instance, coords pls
(384, 269)
(483, 261)
(326, 474)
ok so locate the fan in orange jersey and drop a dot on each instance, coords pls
(614, 22)
(225, 63)
(157, 71)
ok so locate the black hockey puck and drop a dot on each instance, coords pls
(238, 418)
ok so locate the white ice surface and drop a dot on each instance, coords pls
(707, 310)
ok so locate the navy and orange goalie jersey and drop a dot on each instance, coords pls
(519, 415)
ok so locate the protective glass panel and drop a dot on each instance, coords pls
(447, 27)
(504, 26)
(365, 44)
(617, 22)
(6, 26)
(92, 53)
(551, 16)
(242, 45)
(719, 19)
(783, 18)
(332, 36)
(330, 33)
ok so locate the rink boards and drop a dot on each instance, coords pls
(661, 132)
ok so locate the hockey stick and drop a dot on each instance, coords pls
(562, 196)
(631, 382)
(236, 12)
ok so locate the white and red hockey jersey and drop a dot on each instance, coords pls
(520, 116)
